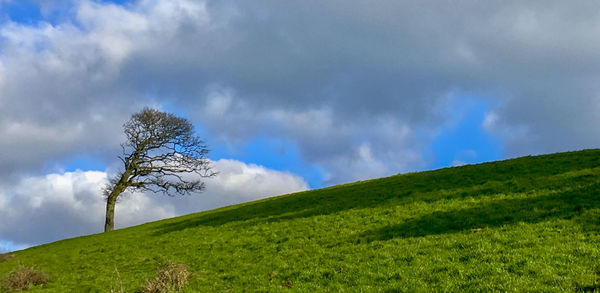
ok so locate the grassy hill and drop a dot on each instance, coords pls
(527, 224)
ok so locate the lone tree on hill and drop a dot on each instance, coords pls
(162, 154)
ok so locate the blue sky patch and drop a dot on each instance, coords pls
(273, 153)
(26, 12)
(464, 141)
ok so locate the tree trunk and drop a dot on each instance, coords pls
(111, 201)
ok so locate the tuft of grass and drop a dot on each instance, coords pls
(118, 284)
(6, 256)
(24, 278)
(171, 277)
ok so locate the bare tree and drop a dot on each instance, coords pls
(162, 154)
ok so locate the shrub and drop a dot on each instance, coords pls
(25, 277)
(171, 277)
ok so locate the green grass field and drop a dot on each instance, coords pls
(527, 224)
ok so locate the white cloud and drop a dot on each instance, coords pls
(464, 157)
(456, 163)
(47, 208)
(238, 182)
(489, 121)
(362, 165)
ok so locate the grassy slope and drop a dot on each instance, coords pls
(528, 224)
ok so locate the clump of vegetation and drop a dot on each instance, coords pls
(25, 277)
(6, 256)
(171, 277)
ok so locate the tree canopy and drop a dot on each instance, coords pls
(162, 154)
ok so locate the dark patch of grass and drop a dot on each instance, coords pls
(548, 205)
(594, 287)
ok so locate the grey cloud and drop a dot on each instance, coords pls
(348, 151)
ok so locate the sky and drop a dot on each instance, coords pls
(288, 95)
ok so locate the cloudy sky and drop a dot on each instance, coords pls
(289, 95)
